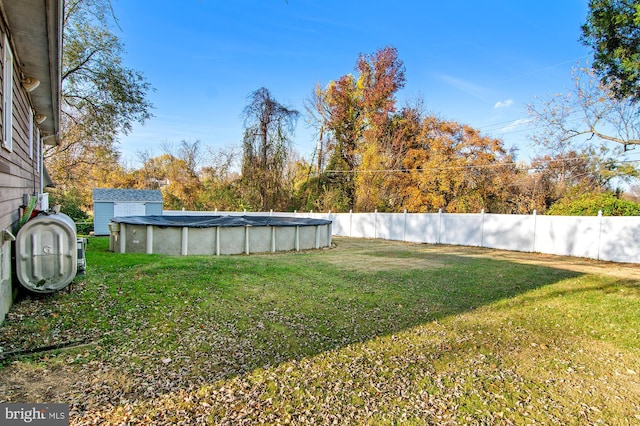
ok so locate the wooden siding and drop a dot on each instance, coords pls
(154, 209)
(102, 214)
(19, 172)
(20, 167)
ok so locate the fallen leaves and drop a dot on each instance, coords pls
(265, 341)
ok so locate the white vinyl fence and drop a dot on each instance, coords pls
(614, 239)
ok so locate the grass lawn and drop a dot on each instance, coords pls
(368, 332)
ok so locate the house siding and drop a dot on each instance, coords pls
(19, 175)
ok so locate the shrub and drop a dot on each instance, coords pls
(590, 203)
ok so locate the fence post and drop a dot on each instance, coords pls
(273, 239)
(482, 228)
(439, 226)
(149, 239)
(599, 233)
(535, 222)
(375, 223)
(404, 228)
(123, 238)
(350, 223)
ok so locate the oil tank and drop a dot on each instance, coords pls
(47, 253)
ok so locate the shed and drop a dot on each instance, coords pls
(110, 202)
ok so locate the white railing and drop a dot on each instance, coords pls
(600, 237)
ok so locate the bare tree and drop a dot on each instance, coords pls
(583, 136)
(589, 112)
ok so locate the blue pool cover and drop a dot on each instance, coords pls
(221, 221)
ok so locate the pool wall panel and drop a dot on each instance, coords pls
(167, 240)
(259, 239)
(232, 240)
(201, 241)
(307, 237)
(285, 238)
(136, 239)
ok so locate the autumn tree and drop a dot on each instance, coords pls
(384, 164)
(268, 128)
(175, 173)
(355, 110)
(526, 190)
(220, 179)
(612, 30)
(101, 98)
(453, 167)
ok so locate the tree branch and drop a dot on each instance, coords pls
(82, 64)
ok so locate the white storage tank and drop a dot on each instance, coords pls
(47, 253)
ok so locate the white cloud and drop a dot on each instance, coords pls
(503, 104)
(515, 125)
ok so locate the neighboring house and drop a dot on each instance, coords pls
(30, 59)
(109, 203)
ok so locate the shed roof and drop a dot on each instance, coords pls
(126, 195)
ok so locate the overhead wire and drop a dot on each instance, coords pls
(469, 166)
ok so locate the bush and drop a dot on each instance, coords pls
(590, 203)
(84, 228)
(69, 205)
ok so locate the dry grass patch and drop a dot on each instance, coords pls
(367, 256)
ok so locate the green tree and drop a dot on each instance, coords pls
(577, 204)
(612, 30)
(101, 98)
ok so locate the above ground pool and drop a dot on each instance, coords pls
(217, 235)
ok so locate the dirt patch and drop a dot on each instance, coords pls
(27, 382)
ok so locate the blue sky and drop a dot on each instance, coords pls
(476, 62)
